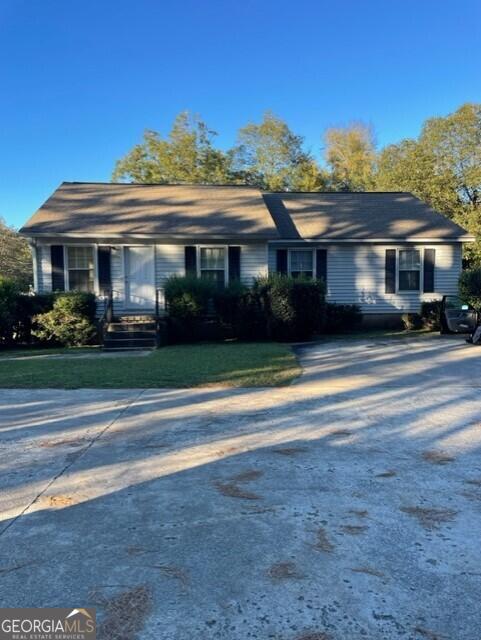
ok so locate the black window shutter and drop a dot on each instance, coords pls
(281, 261)
(103, 264)
(234, 264)
(190, 261)
(321, 264)
(56, 260)
(429, 262)
(390, 280)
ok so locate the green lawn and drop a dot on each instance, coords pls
(230, 364)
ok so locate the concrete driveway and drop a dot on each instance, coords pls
(346, 506)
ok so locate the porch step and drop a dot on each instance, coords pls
(140, 318)
(131, 343)
(130, 327)
(130, 333)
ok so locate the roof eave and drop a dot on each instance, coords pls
(461, 238)
(149, 236)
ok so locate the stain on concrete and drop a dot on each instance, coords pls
(125, 614)
(427, 634)
(289, 451)
(368, 571)
(232, 490)
(353, 529)
(171, 571)
(57, 501)
(322, 542)
(390, 473)
(437, 457)
(284, 571)
(430, 518)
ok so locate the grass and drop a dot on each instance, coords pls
(227, 364)
(46, 351)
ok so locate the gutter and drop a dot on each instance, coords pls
(464, 238)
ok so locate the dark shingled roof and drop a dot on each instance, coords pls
(82, 209)
(168, 211)
(358, 216)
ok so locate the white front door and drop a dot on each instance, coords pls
(140, 277)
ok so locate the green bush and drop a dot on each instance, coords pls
(294, 307)
(188, 297)
(431, 314)
(9, 294)
(240, 312)
(342, 318)
(71, 320)
(470, 287)
(189, 301)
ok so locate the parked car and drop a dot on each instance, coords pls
(457, 316)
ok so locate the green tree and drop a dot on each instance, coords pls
(351, 157)
(15, 257)
(443, 168)
(270, 156)
(186, 155)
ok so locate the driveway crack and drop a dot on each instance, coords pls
(74, 460)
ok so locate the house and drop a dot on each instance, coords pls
(386, 252)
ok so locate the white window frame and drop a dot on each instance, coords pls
(94, 247)
(421, 269)
(313, 258)
(198, 248)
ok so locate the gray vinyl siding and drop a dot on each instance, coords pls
(356, 275)
(169, 260)
(253, 262)
(44, 267)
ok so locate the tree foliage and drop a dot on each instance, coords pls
(186, 155)
(470, 287)
(442, 167)
(351, 156)
(272, 157)
(15, 257)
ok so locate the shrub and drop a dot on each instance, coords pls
(227, 302)
(342, 318)
(293, 307)
(189, 300)
(16, 311)
(240, 312)
(9, 294)
(70, 322)
(412, 321)
(470, 287)
(430, 315)
(188, 297)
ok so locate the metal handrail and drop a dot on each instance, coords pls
(108, 314)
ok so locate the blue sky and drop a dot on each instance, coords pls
(80, 80)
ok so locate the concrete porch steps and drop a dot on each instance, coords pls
(130, 333)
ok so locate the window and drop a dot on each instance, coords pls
(301, 263)
(409, 269)
(212, 264)
(80, 264)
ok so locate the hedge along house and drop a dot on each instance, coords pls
(386, 252)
